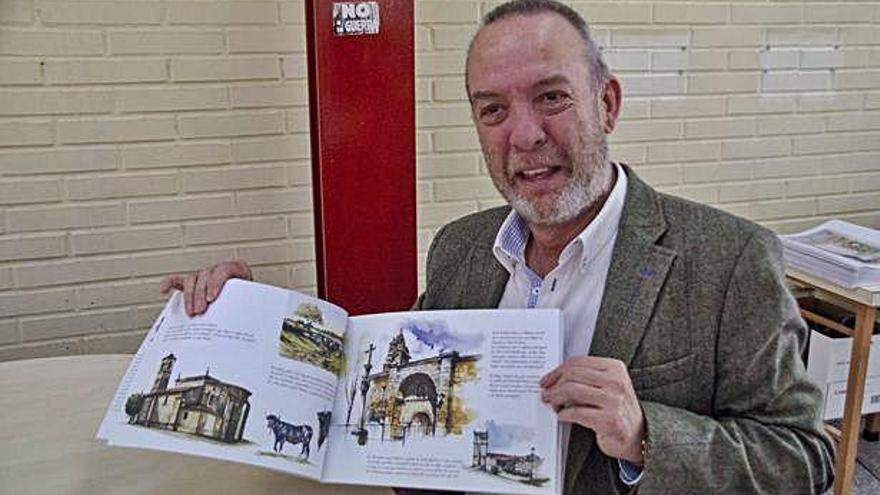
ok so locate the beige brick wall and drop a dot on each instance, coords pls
(139, 138)
(768, 109)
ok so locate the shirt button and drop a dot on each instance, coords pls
(536, 291)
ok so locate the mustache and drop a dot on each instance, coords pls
(518, 162)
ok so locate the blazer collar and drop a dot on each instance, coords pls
(638, 270)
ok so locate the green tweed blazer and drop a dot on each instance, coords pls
(696, 306)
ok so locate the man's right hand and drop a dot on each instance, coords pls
(201, 288)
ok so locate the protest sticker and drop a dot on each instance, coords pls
(355, 18)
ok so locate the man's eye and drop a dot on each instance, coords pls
(554, 100)
(491, 113)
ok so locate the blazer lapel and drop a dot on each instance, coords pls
(637, 273)
(486, 279)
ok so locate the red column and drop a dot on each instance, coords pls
(362, 105)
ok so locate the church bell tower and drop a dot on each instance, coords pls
(163, 376)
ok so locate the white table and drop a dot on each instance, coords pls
(50, 410)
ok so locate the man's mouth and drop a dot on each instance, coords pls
(537, 174)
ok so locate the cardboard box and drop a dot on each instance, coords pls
(828, 366)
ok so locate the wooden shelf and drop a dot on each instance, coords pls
(863, 301)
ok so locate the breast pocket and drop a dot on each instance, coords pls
(658, 375)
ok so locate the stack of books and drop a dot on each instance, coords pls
(838, 251)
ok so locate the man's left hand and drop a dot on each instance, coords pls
(597, 393)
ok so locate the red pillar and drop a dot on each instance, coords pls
(362, 106)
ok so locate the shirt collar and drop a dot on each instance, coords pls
(510, 242)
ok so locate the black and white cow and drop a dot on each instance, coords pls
(286, 432)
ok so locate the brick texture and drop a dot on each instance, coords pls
(141, 138)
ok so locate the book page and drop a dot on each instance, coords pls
(248, 381)
(448, 399)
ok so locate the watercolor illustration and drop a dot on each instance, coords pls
(305, 338)
(495, 453)
(845, 246)
(200, 405)
(283, 433)
(415, 392)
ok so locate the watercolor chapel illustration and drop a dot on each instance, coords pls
(199, 405)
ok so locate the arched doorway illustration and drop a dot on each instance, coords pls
(419, 407)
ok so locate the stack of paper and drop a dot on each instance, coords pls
(838, 251)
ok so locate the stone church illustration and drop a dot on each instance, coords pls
(200, 405)
(418, 397)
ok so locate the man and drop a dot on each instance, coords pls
(682, 370)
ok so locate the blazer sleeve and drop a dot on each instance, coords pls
(765, 433)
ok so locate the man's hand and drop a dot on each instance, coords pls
(201, 288)
(597, 393)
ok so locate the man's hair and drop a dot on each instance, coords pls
(598, 68)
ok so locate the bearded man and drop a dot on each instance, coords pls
(682, 370)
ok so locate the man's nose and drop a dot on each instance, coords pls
(527, 131)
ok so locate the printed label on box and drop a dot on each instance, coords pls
(835, 396)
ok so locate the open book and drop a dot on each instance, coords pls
(278, 379)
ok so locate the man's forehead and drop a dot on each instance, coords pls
(544, 29)
(532, 46)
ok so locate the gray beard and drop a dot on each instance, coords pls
(591, 180)
(573, 200)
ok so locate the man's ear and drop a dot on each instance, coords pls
(611, 102)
